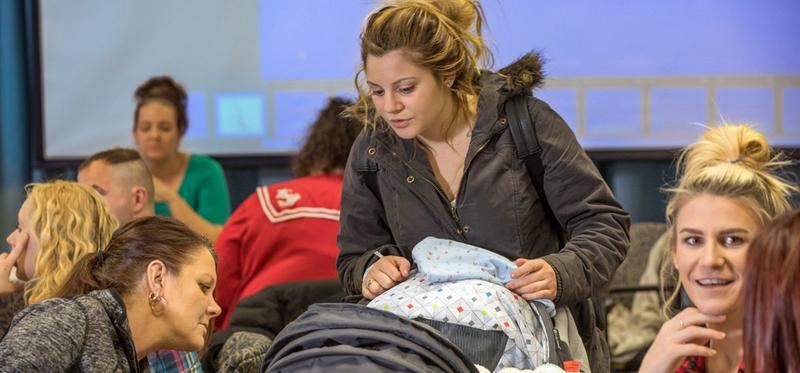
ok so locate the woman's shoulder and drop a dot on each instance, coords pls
(202, 165)
(361, 145)
(55, 313)
(202, 161)
(80, 304)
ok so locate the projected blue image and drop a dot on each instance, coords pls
(791, 112)
(649, 38)
(240, 115)
(196, 111)
(747, 105)
(618, 110)
(624, 75)
(678, 111)
(309, 39)
(294, 112)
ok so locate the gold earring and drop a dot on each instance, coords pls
(156, 302)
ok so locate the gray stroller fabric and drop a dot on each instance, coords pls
(482, 347)
(354, 338)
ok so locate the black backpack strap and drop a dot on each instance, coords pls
(523, 133)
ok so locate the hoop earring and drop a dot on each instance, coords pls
(156, 303)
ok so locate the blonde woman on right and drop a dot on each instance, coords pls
(728, 190)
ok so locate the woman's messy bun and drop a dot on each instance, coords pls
(167, 90)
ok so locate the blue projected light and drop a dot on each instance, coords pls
(564, 102)
(624, 75)
(310, 39)
(613, 112)
(678, 111)
(746, 105)
(294, 112)
(240, 115)
(791, 112)
(196, 112)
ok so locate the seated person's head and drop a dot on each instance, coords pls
(772, 298)
(161, 112)
(62, 221)
(726, 194)
(122, 178)
(165, 274)
(328, 142)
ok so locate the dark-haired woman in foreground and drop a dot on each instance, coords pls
(150, 289)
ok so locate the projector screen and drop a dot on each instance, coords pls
(625, 75)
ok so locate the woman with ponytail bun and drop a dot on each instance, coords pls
(729, 189)
(188, 187)
(437, 159)
(151, 288)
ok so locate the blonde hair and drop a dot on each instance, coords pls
(443, 36)
(70, 220)
(733, 161)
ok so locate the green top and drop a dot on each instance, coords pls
(204, 188)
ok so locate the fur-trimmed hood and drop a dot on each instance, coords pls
(517, 79)
(524, 74)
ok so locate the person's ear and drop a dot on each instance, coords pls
(156, 282)
(448, 81)
(139, 199)
(156, 277)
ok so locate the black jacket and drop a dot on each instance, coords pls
(270, 310)
(497, 206)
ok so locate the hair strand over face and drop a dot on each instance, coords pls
(443, 36)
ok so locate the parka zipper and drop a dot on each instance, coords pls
(442, 196)
(439, 191)
(466, 168)
(461, 189)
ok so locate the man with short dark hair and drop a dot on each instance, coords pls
(122, 178)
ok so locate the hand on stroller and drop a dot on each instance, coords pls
(533, 279)
(387, 272)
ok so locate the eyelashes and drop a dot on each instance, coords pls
(727, 241)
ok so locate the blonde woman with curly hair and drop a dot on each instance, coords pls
(729, 189)
(58, 224)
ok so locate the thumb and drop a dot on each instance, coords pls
(520, 261)
(403, 265)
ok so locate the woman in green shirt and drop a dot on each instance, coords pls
(189, 187)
